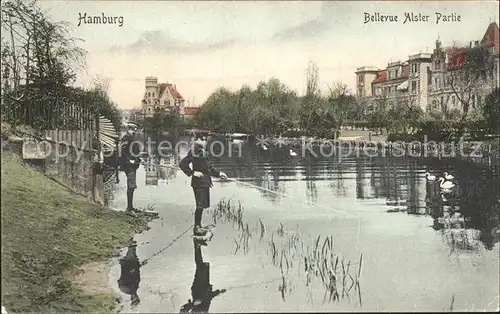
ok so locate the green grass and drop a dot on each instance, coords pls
(47, 232)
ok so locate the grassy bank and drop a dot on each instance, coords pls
(47, 232)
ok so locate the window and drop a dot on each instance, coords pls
(473, 101)
(153, 94)
(149, 94)
(164, 102)
(437, 65)
(413, 86)
(360, 78)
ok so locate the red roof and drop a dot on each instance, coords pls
(173, 90)
(382, 75)
(491, 37)
(191, 111)
(456, 57)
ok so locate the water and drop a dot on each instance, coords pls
(428, 253)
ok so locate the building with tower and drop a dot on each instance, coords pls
(161, 97)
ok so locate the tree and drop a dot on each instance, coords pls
(468, 72)
(39, 62)
(378, 117)
(491, 112)
(311, 103)
(217, 112)
(341, 102)
(404, 115)
(36, 50)
(360, 108)
(273, 108)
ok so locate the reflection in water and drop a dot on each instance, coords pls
(400, 181)
(160, 170)
(151, 171)
(202, 291)
(468, 214)
(312, 192)
(130, 274)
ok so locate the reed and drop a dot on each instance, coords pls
(320, 261)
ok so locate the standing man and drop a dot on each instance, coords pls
(201, 181)
(130, 162)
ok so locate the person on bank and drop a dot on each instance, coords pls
(130, 162)
(201, 181)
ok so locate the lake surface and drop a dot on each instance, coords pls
(427, 252)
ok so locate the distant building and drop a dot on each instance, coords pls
(161, 97)
(424, 79)
(191, 112)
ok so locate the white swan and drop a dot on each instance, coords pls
(448, 176)
(430, 177)
(446, 185)
(264, 147)
(292, 153)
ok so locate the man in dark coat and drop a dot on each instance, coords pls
(129, 163)
(201, 181)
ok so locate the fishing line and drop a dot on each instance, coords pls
(302, 200)
(168, 246)
(292, 197)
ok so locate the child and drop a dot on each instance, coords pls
(201, 181)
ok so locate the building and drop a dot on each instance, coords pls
(191, 112)
(431, 81)
(161, 97)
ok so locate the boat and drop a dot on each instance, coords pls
(239, 138)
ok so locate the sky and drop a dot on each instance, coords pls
(203, 45)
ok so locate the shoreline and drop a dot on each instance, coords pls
(56, 245)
